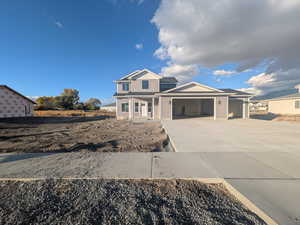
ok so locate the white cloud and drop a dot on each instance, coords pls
(139, 2)
(139, 46)
(59, 24)
(250, 33)
(182, 73)
(223, 72)
(251, 90)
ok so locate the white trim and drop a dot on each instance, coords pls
(153, 111)
(128, 75)
(227, 107)
(195, 83)
(171, 108)
(160, 108)
(215, 108)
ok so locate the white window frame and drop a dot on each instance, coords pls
(125, 110)
(143, 84)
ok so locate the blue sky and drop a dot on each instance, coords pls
(49, 45)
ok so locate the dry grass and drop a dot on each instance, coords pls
(70, 113)
(294, 118)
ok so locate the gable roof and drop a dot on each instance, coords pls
(17, 93)
(192, 83)
(131, 76)
(229, 90)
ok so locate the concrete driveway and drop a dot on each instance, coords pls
(198, 135)
(259, 158)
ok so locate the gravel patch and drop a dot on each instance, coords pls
(119, 202)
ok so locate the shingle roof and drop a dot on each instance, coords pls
(228, 90)
(168, 80)
(17, 93)
(292, 96)
(135, 93)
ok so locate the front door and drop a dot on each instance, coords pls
(144, 110)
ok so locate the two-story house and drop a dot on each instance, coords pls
(147, 95)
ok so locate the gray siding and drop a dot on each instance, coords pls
(166, 108)
(136, 86)
(221, 107)
(121, 115)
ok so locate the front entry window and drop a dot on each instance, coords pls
(125, 107)
(136, 107)
(149, 107)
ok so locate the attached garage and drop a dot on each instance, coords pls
(185, 108)
(235, 108)
(194, 100)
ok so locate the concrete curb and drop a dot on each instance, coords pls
(171, 142)
(235, 193)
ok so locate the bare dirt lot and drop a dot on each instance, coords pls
(68, 134)
(120, 202)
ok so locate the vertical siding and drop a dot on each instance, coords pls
(221, 107)
(13, 105)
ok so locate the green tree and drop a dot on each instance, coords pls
(93, 104)
(72, 94)
(45, 103)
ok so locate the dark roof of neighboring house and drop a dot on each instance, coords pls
(111, 104)
(135, 93)
(168, 80)
(292, 96)
(17, 93)
(228, 90)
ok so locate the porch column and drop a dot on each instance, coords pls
(153, 109)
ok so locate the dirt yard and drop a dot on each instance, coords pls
(68, 134)
(67, 113)
(113, 202)
(275, 117)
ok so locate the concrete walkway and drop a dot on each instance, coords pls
(261, 159)
(271, 189)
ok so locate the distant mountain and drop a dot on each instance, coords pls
(275, 94)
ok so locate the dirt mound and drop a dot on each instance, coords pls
(80, 134)
(119, 202)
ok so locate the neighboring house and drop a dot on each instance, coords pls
(289, 104)
(14, 104)
(258, 106)
(146, 95)
(110, 107)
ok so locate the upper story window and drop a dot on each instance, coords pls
(297, 104)
(145, 84)
(125, 86)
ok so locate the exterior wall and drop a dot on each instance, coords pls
(120, 88)
(121, 115)
(136, 86)
(221, 106)
(13, 105)
(165, 107)
(284, 107)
